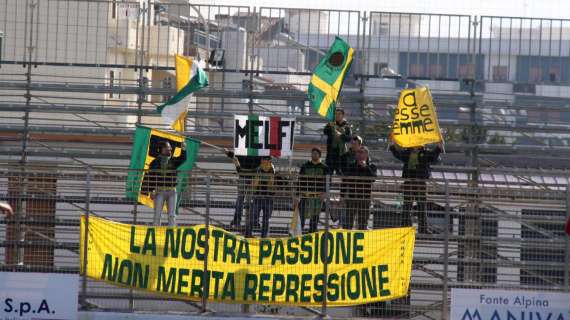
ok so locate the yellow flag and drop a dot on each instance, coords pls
(183, 67)
(415, 121)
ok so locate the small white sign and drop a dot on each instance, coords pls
(263, 136)
(483, 304)
(128, 11)
(36, 296)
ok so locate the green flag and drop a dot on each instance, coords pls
(145, 149)
(328, 77)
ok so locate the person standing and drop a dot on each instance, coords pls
(338, 134)
(357, 190)
(312, 188)
(263, 189)
(416, 171)
(160, 182)
(247, 166)
(348, 160)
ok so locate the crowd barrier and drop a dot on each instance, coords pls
(497, 234)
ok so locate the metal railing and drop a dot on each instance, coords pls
(280, 40)
(269, 52)
(499, 84)
(506, 234)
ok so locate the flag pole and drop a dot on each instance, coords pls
(212, 145)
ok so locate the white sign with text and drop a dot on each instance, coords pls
(27, 296)
(484, 304)
(256, 135)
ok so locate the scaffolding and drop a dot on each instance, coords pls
(521, 244)
(77, 76)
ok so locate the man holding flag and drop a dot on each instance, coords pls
(324, 89)
(415, 126)
(161, 182)
(416, 171)
(159, 170)
(338, 133)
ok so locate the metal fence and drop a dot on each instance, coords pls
(76, 77)
(135, 34)
(498, 234)
(104, 72)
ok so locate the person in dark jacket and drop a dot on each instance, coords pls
(248, 165)
(160, 181)
(348, 159)
(263, 191)
(357, 189)
(263, 194)
(312, 188)
(416, 171)
(338, 134)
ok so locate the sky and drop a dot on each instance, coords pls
(557, 9)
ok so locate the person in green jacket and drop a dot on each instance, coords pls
(312, 188)
(160, 181)
(339, 133)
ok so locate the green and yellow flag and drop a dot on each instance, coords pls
(328, 78)
(145, 149)
(189, 78)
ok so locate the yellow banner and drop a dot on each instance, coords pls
(362, 266)
(415, 121)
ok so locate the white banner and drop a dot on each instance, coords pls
(28, 296)
(263, 136)
(483, 304)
